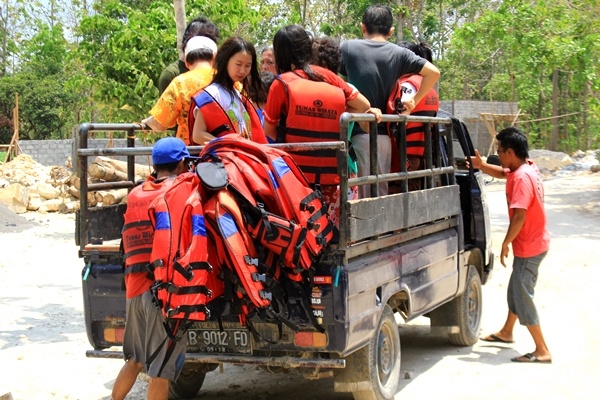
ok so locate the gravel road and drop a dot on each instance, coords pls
(43, 339)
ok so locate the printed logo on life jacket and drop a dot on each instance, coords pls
(141, 239)
(317, 111)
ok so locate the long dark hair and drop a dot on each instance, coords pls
(252, 85)
(421, 49)
(293, 46)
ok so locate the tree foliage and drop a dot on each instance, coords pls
(515, 52)
(99, 60)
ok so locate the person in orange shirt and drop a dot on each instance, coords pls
(173, 105)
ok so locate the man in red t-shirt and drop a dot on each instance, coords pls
(528, 234)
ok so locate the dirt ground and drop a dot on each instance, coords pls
(43, 339)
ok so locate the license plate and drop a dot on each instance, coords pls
(226, 341)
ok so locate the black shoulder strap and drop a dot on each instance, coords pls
(283, 117)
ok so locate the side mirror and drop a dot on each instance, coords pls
(494, 160)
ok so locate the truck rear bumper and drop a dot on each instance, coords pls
(285, 362)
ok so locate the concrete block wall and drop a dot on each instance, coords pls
(47, 152)
(468, 112)
(56, 152)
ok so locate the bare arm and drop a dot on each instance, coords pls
(430, 75)
(516, 224)
(270, 131)
(492, 170)
(199, 133)
(358, 105)
(154, 124)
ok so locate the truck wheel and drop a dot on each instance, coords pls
(381, 360)
(468, 308)
(190, 381)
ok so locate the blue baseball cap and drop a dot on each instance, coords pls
(169, 150)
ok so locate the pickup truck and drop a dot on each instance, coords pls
(410, 253)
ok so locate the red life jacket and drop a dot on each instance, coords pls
(137, 234)
(313, 115)
(218, 122)
(180, 256)
(237, 247)
(428, 106)
(269, 178)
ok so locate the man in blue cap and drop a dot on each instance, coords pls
(144, 330)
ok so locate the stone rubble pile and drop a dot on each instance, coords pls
(26, 185)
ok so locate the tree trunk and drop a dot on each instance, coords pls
(400, 19)
(105, 172)
(555, 92)
(108, 169)
(180, 23)
(114, 197)
(583, 133)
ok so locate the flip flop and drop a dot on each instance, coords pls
(530, 358)
(494, 338)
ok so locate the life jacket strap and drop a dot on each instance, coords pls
(135, 268)
(200, 289)
(188, 309)
(155, 264)
(305, 202)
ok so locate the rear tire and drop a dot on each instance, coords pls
(468, 307)
(189, 382)
(380, 361)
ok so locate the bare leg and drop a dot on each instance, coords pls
(158, 389)
(507, 330)
(506, 333)
(541, 350)
(125, 379)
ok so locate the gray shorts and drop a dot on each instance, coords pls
(521, 289)
(145, 333)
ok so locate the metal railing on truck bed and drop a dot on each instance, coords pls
(380, 222)
(371, 223)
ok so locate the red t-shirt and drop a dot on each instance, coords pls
(277, 98)
(524, 189)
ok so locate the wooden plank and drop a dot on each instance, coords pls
(14, 141)
(103, 248)
(376, 216)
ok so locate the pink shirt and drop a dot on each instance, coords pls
(524, 189)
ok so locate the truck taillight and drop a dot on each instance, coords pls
(310, 339)
(114, 335)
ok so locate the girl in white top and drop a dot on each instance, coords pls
(236, 79)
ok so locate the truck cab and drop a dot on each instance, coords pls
(410, 253)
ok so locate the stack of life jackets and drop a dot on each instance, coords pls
(241, 239)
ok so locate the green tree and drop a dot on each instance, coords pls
(125, 48)
(540, 54)
(44, 106)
